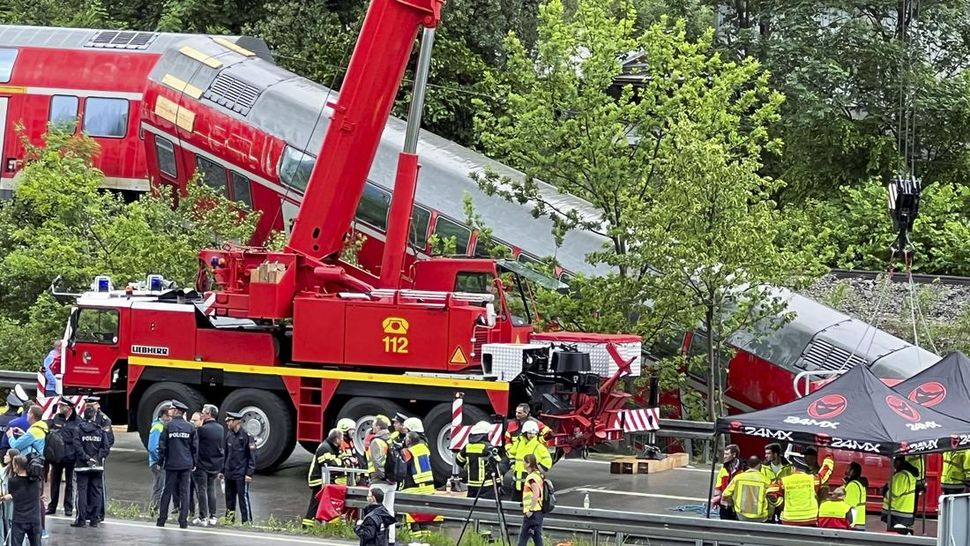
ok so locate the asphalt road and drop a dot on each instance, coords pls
(284, 494)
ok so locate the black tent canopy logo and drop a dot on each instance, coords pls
(902, 408)
(928, 394)
(828, 406)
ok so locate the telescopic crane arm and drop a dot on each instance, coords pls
(373, 78)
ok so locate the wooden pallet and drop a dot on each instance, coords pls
(631, 465)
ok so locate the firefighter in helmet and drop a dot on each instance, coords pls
(475, 458)
(529, 444)
(326, 456)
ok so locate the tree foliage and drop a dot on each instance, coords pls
(60, 224)
(671, 167)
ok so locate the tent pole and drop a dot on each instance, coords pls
(925, 493)
(889, 498)
(710, 490)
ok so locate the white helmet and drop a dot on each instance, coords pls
(346, 425)
(413, 424)
(481, 427)
(530, 427)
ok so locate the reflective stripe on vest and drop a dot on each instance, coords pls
(855, 496)
(832, 514)
(801, 502)
(475, 465)
(370, 460)
(421, 465)
(528, 503)
(903, 494)
(953, 468)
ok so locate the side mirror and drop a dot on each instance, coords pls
(490, 315)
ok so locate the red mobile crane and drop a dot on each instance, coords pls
(297, 339)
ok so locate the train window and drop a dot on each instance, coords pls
(165, 153)
(490, 248)
(445, 228)
(527, 259)
(7, 57)
(295, 167)
(373, 206)
(64, 112)
(240, 189)
(104, 117)
(420, 218)
(213, 175)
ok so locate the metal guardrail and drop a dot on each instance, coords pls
(613, 527)
(9, 378)
(676, 428)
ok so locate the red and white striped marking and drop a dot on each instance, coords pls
(460, 432)
(638, 420)
(50, 403)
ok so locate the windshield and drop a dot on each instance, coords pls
(514, 289)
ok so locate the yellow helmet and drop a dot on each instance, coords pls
(346, 425)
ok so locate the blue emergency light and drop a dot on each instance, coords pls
(155, 283)
(102, 283)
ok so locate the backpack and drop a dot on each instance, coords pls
(395, 467)
(35, 467)
(54, 449)
(548, 496)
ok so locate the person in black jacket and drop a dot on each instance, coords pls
(65, 421)
(212, 456)
(14, 405)
(374, 525)
(178, 454)
(104, 422)
(90, 449)
(238, 469)
(326, 455)
(25, 492)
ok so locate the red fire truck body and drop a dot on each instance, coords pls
(297, 339)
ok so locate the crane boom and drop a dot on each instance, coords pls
(359, 115)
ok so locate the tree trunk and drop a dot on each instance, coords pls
(713, 369)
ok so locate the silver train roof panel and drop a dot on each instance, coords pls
(110, 40)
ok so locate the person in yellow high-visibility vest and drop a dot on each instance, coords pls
(856, 490)
(529, 444)
(775, 467)
(731, 467)
(899, 496)
(953, 478)
(822, 471)
(797, 496)
(419, 480)
(747, 493)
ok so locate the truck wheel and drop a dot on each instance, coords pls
(363, 410)
(437, 427)
(157, 395)
(268, 420)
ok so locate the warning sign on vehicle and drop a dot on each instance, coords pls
(458, 357)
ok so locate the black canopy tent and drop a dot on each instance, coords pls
(944, 386)
(855, 412)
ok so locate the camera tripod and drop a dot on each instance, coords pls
(503, 526)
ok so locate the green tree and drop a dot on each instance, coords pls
(60, 224)
(64, 13)
(842, 65)
(670, 167)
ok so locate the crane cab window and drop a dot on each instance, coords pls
(213, 175)
(475, 282)
(165, 153)
(295, 168)
(373, 206)
(63, 114)
(445, 229)
(96, 326)
(240, 189)
(420, 218)
(7, 58)
(104, 117)
(490, 248)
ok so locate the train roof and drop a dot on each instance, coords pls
(821, 338)
(291, 108)
(132, 41)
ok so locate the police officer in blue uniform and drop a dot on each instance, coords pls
(238, 469)
(178, 455)
(90, 449)
(104, 422)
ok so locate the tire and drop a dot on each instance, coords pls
(362, 411)
(437, 427)
(156, 395)
(269, 420)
